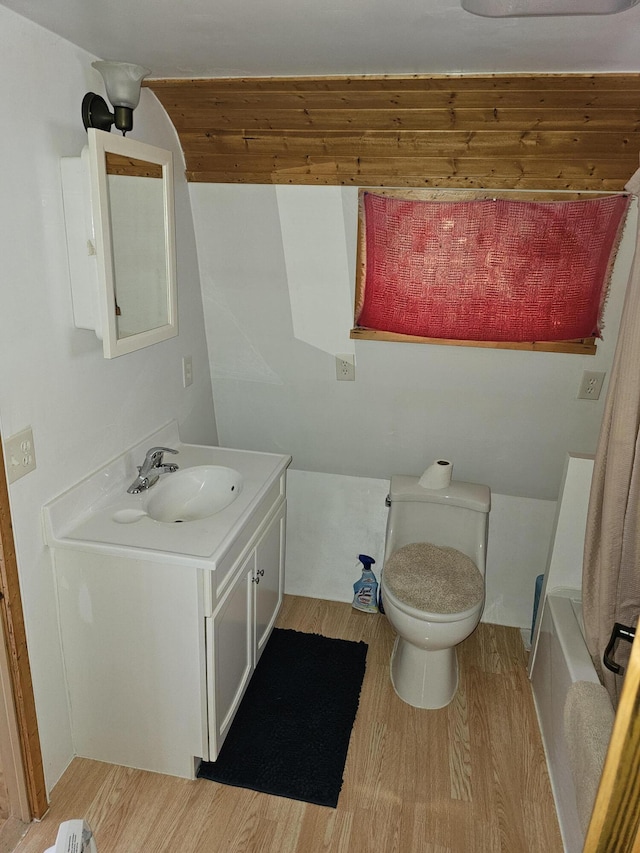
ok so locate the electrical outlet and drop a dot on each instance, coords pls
(187, 371)
(345, 367)
(20, 454)
(591, 385)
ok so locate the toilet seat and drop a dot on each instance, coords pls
(434, 579)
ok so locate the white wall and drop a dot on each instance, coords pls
(330, 520)
(83, 409)
(277, 269)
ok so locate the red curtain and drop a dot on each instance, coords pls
(488, 270)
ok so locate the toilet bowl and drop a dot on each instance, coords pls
(433, 583)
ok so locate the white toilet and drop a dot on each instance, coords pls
(433, 583)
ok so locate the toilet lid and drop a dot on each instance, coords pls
(433, 578)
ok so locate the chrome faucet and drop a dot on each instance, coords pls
(151, 469)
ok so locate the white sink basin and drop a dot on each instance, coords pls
(217, 490)
(194, 493)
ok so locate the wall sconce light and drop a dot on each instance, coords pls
(535, 8)
(122, 81)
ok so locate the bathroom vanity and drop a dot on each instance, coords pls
(163, 623)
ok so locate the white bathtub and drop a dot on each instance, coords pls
(561, 659)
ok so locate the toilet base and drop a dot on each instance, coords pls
(424, 679)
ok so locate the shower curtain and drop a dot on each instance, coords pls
(611, 569)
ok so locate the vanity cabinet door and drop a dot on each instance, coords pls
(230, 644)
(241, 625)
(269, 578)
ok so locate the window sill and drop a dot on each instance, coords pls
(582, 346)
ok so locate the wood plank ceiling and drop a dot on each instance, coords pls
(553, 132)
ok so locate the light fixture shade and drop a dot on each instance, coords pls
(530, 8)
(122, 81)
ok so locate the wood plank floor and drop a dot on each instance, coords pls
(471, 777)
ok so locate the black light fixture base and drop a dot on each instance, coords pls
(123, 118)
(95, 112)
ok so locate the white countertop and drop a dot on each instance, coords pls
(83, 516)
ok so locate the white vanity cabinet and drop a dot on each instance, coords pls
(162, 625)
(241, 623)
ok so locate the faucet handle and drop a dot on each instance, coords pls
(153, 459)
(158, 452)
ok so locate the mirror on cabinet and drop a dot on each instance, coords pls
(123, 273)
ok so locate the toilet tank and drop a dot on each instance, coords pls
(454, 517)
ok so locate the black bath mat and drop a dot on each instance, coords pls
(291, 734)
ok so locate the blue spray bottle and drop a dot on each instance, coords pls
(365, 591)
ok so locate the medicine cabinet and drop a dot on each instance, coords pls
(119, 212)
